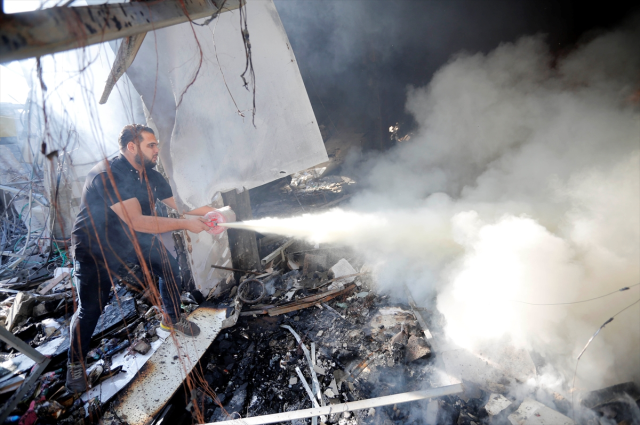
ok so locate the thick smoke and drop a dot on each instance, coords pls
(540, 156)
(357, 56)
(522, 185)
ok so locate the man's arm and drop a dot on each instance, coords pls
(170, 202)
(131, 213)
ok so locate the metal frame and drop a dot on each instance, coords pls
(42, 32)
(41, 360)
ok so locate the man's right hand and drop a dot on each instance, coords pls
(196, 225)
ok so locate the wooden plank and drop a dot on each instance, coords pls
(242, 243)
(309, 301)
(49, 285)
(57, 29)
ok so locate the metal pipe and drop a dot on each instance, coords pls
(38, 33)
(42, 201)
(346, 407)
(26, 242)
(21, 346)
(277, 252)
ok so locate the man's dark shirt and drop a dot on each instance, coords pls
(97, 225)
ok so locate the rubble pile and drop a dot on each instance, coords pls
(301, 192)
(38, 314)
(360, 345)
(308, 330)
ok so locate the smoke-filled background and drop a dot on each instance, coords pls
(358, 56)
(520, 184)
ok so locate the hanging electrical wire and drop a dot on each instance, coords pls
(244, 29)
(575, 372)
(626, 288)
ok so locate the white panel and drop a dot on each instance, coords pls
(207, 146)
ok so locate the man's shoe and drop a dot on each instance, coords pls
(182, 326)
(76, 378)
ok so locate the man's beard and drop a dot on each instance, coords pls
(147, 162)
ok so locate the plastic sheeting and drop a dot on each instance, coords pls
(208, 143)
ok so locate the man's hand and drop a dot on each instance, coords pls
(196, 225)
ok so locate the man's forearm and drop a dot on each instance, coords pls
(150, 224)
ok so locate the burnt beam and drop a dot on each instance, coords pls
(57, 29)
(242, 243)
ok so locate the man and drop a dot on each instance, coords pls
(117, 220)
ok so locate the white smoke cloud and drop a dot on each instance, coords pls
(543, 165)
(521, 185)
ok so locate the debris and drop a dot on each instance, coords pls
(339, 200)
(277, 252)
(309, 393)
(293, 380)
(293, 265)
(342, 269)
(618, 401)
(251, 291)
(314, 378)
(142, 346)
(11, 384)
(533, 412)
(307, 301)
(314, 263)
(39, 310)
(237, 270)
(419, 318)
(300, 179)
(416, 348)
(95, 374)
(346, 407)
(431, 416)
(50, 284)
(186, 298)
(496, 404)
(20, 311)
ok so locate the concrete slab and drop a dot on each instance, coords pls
(342, 268)
(164, 373)
(532, 412)
(496, 404)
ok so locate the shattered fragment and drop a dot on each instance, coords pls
(533, 412)
(416, 348)
(342, 268)
(496, 404)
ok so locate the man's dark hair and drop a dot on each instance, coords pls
(132, 133)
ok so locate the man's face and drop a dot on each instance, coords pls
(147, 151)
